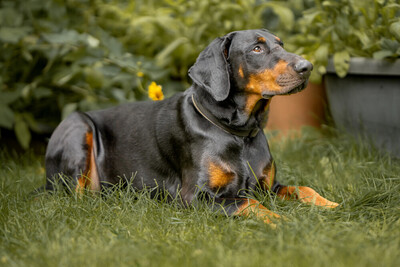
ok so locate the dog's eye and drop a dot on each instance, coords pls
(258, 49)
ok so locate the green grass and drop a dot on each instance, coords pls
(130, 229)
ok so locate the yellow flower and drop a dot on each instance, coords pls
(140, 74)
(155, 92)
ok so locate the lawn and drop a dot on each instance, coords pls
(127, 228)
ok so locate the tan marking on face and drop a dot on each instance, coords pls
(306, 195)
(261, 39)
(251, 101)
(219, 176)
(89, 177)
(269, 176)
(251, 206)
(240, 71)
(277, 38)
(265, 80)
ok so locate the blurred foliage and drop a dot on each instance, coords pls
(54, 60)
(174, 32)
(347, 28)
(59, 56)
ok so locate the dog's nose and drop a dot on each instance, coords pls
(303, 67)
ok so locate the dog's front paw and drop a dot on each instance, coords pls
(306, 195)
(310, 196)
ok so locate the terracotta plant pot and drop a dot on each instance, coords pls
(307, 108)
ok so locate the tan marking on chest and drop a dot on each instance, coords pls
(219, 175)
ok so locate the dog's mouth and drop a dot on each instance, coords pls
(289, 83)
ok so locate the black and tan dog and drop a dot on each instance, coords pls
(207, 140)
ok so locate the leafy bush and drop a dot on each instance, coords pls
(59, 56)
(174, 32)
(347, 28)
(56, 60)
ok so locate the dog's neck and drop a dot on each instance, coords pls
(232, 111)
(257, 114)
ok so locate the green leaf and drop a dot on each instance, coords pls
(6, 117)
(382, 54)
(113, 45)
(42, 92)
(8, 97)
(364, 38)
(13, 35)
(161, 57)
(322, 54)
(22, 132)
(394, 29)
(94, 77)
(285, 14)
(70, 37)
(110, 70)
(310, 16)
(341, 61)
(64, 76)
(119, 95)
(33, 124)
(389, 44)
(68, 109)
(10, 17)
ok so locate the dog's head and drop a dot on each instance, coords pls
(251, 61)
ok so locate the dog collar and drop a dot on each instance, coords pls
(211, 118)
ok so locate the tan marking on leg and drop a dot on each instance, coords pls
(81, 184)
(89, 178)
(219, 175)
(306, 195)
(269, 176)
(93, 174)
(251, 206)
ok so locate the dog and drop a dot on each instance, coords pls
(205, 141)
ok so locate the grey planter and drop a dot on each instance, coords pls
(367, 101)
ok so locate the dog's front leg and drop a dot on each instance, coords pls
(306, 195)
(243, 207)
(302, 193)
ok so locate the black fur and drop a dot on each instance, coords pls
(169, 143)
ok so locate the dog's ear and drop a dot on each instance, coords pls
(211, 70)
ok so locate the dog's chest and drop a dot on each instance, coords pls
(235, 169)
